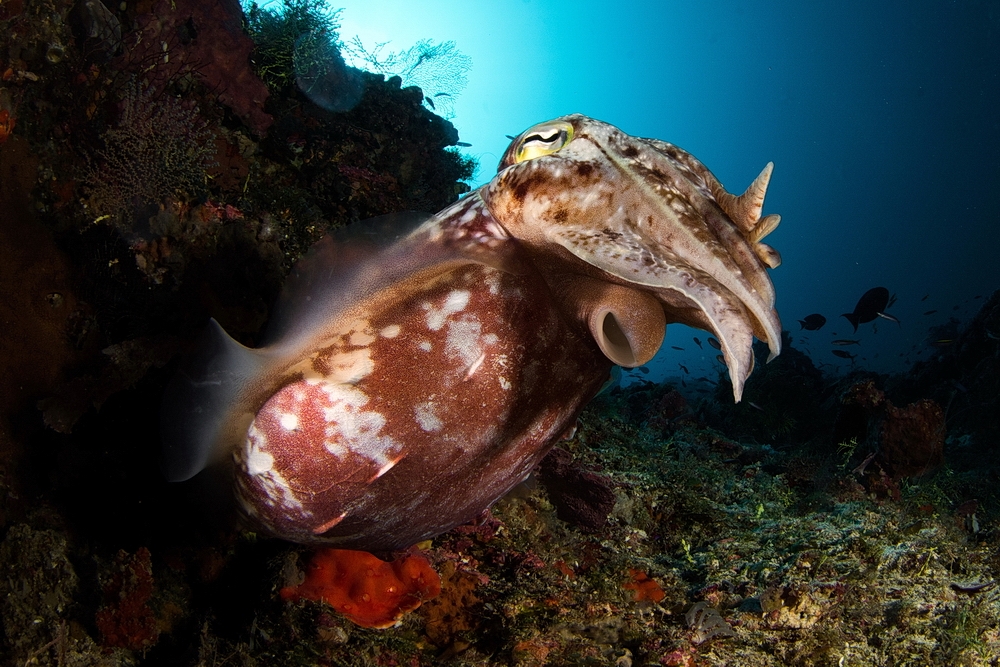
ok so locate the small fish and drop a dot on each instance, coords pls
(721, 359)
(510, 137)
(813, 322)
(697, 342)
(844, 354)
(972, 588)
(925, 297)
(845, 341)
(754, 405)
(429, 102)
(644, 370)
(942, 342)
(677, 348)
(714, 343)
(442, 94)
(684, 368)
(892, 319)
(930, 312)
(463, 144)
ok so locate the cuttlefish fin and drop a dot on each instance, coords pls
(352, 263)
(201, 412)
(211, 402)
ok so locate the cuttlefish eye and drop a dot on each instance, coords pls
(544, 139)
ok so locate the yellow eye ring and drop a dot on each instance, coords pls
(544, 139)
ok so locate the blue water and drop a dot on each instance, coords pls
(882, 119)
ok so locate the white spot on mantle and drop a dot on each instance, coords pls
(390, 331)
(455, 302)
(289, 421)
(425, 416)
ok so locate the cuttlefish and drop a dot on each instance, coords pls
(410, 377)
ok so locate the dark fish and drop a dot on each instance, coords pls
(844, 355)
(684, 368)
(721, 359)
(930, 312)
(430, 102)
(845, 342)
(463, 144)
(697, 342)
(925, 297)
(942, 342)
(442, 94)
(714, 343)
(813, 322)
(677, 348)
(510, 137)
(871, 305)
(644, 370)
(972, 588)
(754, 405)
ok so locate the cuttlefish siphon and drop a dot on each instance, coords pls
(409, 379)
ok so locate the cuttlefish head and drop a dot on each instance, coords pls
(595, 206)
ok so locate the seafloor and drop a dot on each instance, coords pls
(157, 168)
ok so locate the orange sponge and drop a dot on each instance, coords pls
(365, 589)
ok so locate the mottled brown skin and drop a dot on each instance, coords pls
(645, 214)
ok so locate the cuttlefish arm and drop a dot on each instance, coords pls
(645, 214)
